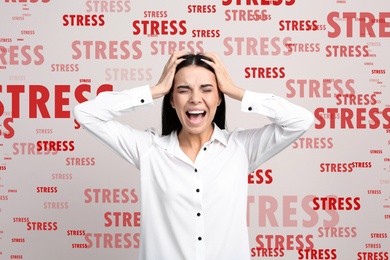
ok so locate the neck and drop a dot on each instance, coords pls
(188, 139)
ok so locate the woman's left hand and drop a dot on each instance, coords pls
(225, 84)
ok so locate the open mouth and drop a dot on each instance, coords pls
(196, 116)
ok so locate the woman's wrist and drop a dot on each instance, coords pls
(157, 92)
(235, 93)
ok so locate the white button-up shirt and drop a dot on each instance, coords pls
(194, 210)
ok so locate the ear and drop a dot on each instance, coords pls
(219, 97)
(172, 103)
(219, 101)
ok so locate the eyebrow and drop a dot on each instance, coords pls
(201, 86)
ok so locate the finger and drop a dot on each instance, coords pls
(212, 64)
(216, 65)
(169, 71)
(174, 57)
(216, 60)
(212, 55)
(176, 62)
(177, 54)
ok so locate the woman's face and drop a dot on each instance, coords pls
(195, 98)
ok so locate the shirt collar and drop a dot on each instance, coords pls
(219, 135)
(170, 142)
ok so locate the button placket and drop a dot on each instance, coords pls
(198, 216)
(202, 153)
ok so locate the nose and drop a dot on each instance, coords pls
(196, 97)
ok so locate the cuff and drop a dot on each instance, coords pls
(253, 102)
(136, 97)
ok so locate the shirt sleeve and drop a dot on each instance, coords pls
(98, 117)
(289, 122)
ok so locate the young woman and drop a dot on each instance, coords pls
(194, 176)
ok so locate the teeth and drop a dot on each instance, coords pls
(196, 112)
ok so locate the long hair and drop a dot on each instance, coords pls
(170, 120)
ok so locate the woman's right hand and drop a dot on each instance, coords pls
(164, 84)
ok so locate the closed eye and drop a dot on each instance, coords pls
(206, 87)
(183, 89)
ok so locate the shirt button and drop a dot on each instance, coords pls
(197, 190)
(198, 214)
(204, 149)
(196, 170)
(250, 108)
(199, 238)
(142, 101)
